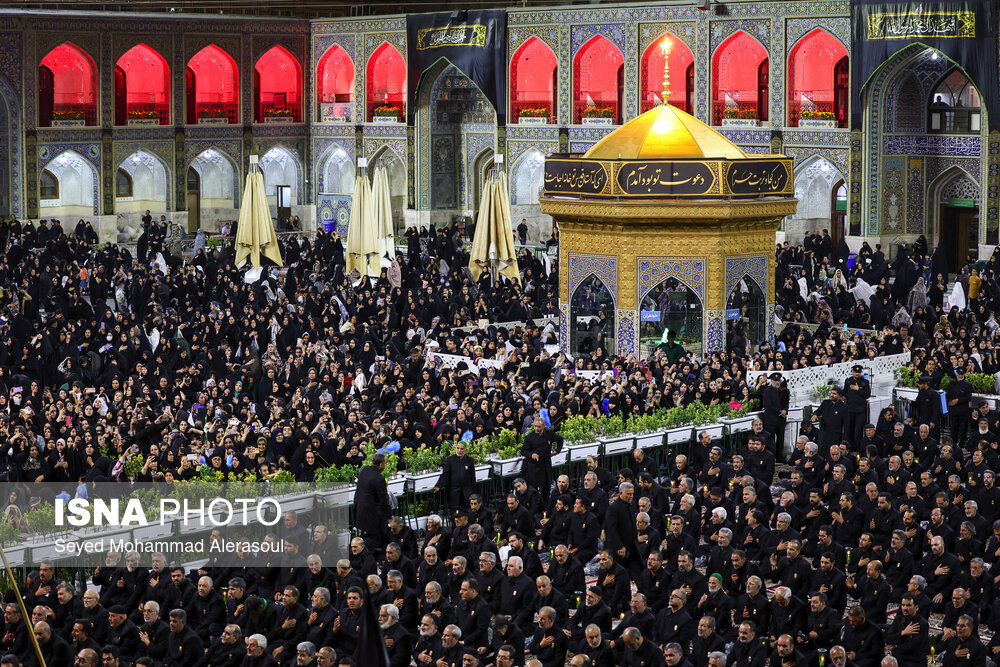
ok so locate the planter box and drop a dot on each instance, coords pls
(143, 121)
(16, 555)
(69, 123)
(417, 522)
(532, 120)
(741, 424)
(296, 502)
(582, 451)
(818, 124)
(397, 486)
(508, 467)
(342, 496)
(385, 119)
(679, 434)
(794, 414)
(156, 530)
(618, 445)
(649, 440)
(560, 458)
(213, 121)
(715, 430)
(483, 472)
(740, 122)
(423, 481)
(597, 121)
(279, 119)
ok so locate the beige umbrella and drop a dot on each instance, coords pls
(493, 244)
(383, 214)
(255, 232)
(362, 243)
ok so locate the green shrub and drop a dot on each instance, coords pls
(421, 460)
(335, 474)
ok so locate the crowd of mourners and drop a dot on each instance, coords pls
(834, 549)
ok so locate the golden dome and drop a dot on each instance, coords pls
(664, 133)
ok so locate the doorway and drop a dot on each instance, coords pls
(959, 232)
(193, 200)
(838, 212)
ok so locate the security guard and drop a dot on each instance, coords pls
(774, 399)
(857, 391)
(927, 407)
(959, 395)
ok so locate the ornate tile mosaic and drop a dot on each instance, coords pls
(627, 337)
(605, 268)
(755, 266)
(715, 331)
(653, 271)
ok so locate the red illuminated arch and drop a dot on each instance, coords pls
(142, 86)
(818, 77)
(335, 84)
(213, 84)
(277, 85)
(67, 86)
(740, 77)
(598, 78)
(386, 79)
(533, 75)
(681, 74)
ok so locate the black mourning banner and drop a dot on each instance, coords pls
(575, 177)
(473, 41)
(965, 32)
(757, 177)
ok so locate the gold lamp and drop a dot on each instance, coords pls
(665, 47)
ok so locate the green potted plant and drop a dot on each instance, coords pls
(647, 430)
(339, 483)
(507, 446)
(479, 450)
(612, 436)
(423, 468)
(580, 438)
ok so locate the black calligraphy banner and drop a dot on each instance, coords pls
(473, 41)
(665, 179)
(576, 176)
(965, 31)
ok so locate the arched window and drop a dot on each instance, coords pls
(671, 306)
(533, 80)
(955, 107)
(142, 87)
(123, 184)
(67, 87)
(386, 77)
(48, 185)
(681, 72)
(592, 317)
(213, 86)
(277, 87)
(598, 81)
(740, 71)
(335, 85)
(817, 79)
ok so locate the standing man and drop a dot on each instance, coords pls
(458, 477)
(857, 390)
(537, 452)
(522, 231)
(774, 399)
(959, 396)
(927, 408)
(833, 412)
(372, 503)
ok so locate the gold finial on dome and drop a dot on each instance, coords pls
(665, 47)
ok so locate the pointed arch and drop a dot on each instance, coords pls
(77, 186)
(335, 85)
(146, 85)
(814, 180)
(10, 134)
(812, 78)
(280, 167)
(217, 174)
(277, 86)
(336, 172)
(396, 166)
(598, 79)
(68, 86)
(150, 183)
(214, 80)
(738, 65)
(593, 321)
(528, 178)
(534, 72)
(651, 74)
(385, 78)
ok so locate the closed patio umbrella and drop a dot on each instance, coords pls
(362, 242)
(493, 243)
(382, 203)
(255, 234)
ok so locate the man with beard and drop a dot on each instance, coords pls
(153, 632)
(716, 604)
(674, 624)
(640, 651)
(80, 634)
(96, 614)
(593, 612)
(747, 651)
(228, 650)
(458, 477)
(614, 583)
(786, 655)
(908, 635)
(707, 642)
(183, 644)
(55, 650)
(122, 633)
(654, 583)
(427, 649)
(597, 649)
(549, 643)
(397, 639)
(584, 532)
(863, 641)
(290, 626)
(871, 590)
(473, 615)
(257, 655)
(639, 616)
(320, 617)
(566, 573)
(752, 606)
